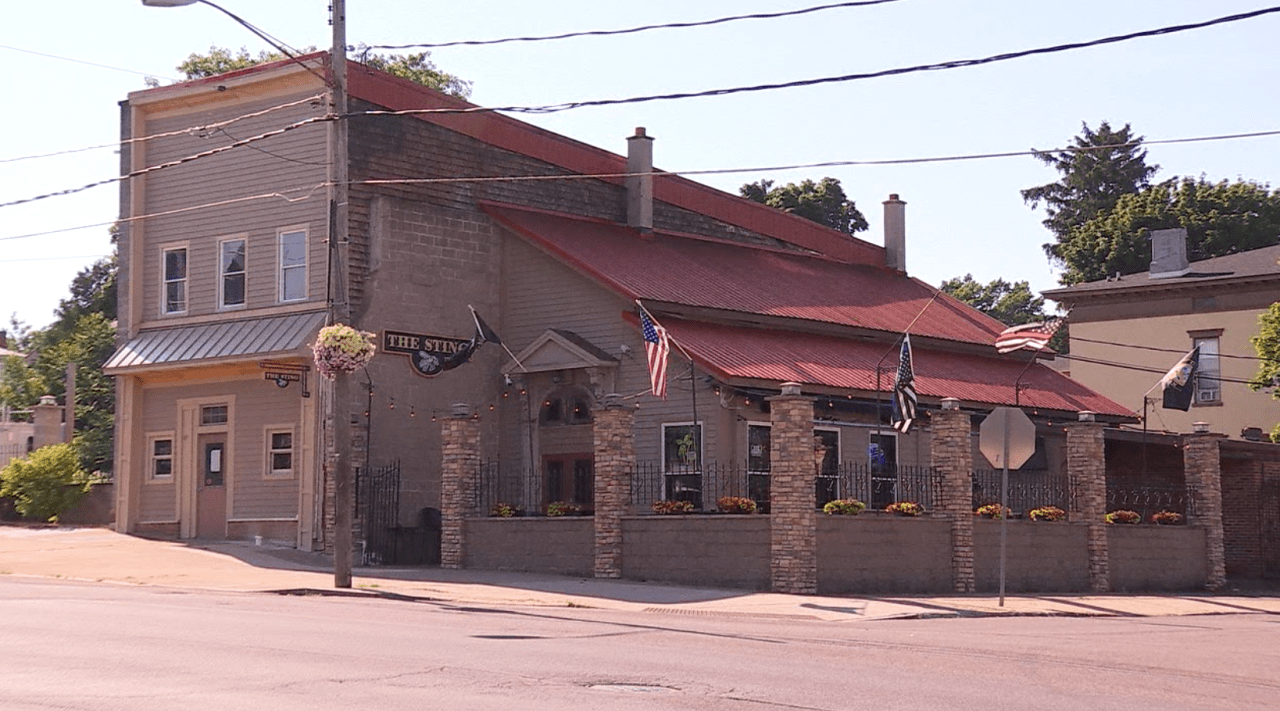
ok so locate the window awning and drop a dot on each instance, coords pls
(242, 339)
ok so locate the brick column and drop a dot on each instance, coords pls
(459, 471)
(47, 419)
(1203, 471)
(793, 523)
(951, 451)
(1087, 477)
(615, 458)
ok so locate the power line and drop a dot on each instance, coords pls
(53, 259)
(81, 61)
(632, 30)
(1154, 348)
(1140, 368)
(952, 64)
(190, 130)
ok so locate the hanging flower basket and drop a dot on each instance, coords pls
(341, 349)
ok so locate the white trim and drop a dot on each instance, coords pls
(280, 266)
(221, 275)
(150, 476)
(268, 472)
(185, 246)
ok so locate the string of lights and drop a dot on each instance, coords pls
(633, 30)
(193, 130)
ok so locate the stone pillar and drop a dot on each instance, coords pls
(1087, 477)
(951, 451)
(615, 459)
(459, 485)
(793, 522)
(1203, 471)
(47, 418)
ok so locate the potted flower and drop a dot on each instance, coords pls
(562, 508)
(1124, 516)
(341, 349)
(736, 504)
(992, 511)
(502, 510)
(1047, 513)
(843, 507)
(1166, 518)
(905, 508)
(667, 507)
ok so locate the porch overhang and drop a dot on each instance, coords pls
(216, 343)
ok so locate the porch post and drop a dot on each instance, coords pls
(1087, 477)
(951, 451)
(1203, 470)
(793, 523)
(615, 458)
(459, 472)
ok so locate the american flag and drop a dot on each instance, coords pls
(904, 391)
(656, 347)
(1029, 335)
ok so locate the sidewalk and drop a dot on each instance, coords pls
(101, 555)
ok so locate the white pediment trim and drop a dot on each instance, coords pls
(558, 350)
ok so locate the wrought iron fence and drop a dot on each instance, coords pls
(879, 485)
(1147, 500)
(1027, 490)
(9, 452)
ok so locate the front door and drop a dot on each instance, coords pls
(211, 490)
(569, 478)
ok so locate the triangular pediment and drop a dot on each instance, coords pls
(557, 349)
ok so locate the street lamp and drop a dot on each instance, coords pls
(339, 303)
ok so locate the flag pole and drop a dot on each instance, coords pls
(897, 343)
(693, 396)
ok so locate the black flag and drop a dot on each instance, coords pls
(1179, 384)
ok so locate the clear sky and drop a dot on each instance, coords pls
(965, 217)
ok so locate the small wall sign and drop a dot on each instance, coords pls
(429, 355)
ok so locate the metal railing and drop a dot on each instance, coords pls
(1147, 500)
(1027, 490)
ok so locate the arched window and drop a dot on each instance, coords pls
(566, 406)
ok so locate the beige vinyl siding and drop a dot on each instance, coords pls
(157, 500)
(541, 292)
(258, 403)
(295, 159)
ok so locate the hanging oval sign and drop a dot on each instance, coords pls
(429, 355)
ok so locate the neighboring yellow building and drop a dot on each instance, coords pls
(1127, 331)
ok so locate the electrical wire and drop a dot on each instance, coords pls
(54, 259)
(952, 64)
(1141, 368)
(633, 30)
(191, 130)
(81, 61)
(277, 43)
(1154, 348)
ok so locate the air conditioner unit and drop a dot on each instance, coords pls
(1207, 396)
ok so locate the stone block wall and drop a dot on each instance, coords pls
(952, 454)
(615, 461)
(1201, 455)
(460, 472)
(793, 471)
(1087, 475)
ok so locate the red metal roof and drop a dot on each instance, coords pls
(752, 280)
(830, 361)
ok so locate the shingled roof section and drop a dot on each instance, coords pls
(706, 273)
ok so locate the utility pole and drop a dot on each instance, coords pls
(340, 298)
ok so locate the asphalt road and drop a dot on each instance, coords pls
(73, 646)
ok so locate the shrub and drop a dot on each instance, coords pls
(672, 507)
(1124, 516)
(45, 484)
(736, 504)
(1166, 518)
(1047, 513)
(562, 508)
(991, 511)
(905, 508)
(844, 507)
(502, 510)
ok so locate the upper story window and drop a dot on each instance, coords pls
(566, 406)
(1209, 371)
(213, 415)
(231, 283)
(293, 265)
(174, 264)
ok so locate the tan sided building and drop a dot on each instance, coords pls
(1128, 331)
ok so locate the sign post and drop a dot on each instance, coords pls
(1007, 438)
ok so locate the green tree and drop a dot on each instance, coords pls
(823, 202)
(1097, 170)
(1267, 344)
(45, 484)
(1011, 304)
(414, 67)
(1220, 218)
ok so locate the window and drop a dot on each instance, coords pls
(293, 266)
(826, 443)
(231, 285)
(213, 415)
(1208, 385)
(882, 460)
(571, 406)
(162, 458)
(681, 463)
(175, 280)
(280, 452)
(759, 462)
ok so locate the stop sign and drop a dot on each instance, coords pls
(1013, 423)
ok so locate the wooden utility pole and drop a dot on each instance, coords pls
(340, 304)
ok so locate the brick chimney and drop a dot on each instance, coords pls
(1168, 254)
(640, 187)
(895, 233)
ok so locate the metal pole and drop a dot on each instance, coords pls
(1004, 507)
(340, 308)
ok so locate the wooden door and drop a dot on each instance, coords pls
(211, 489)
